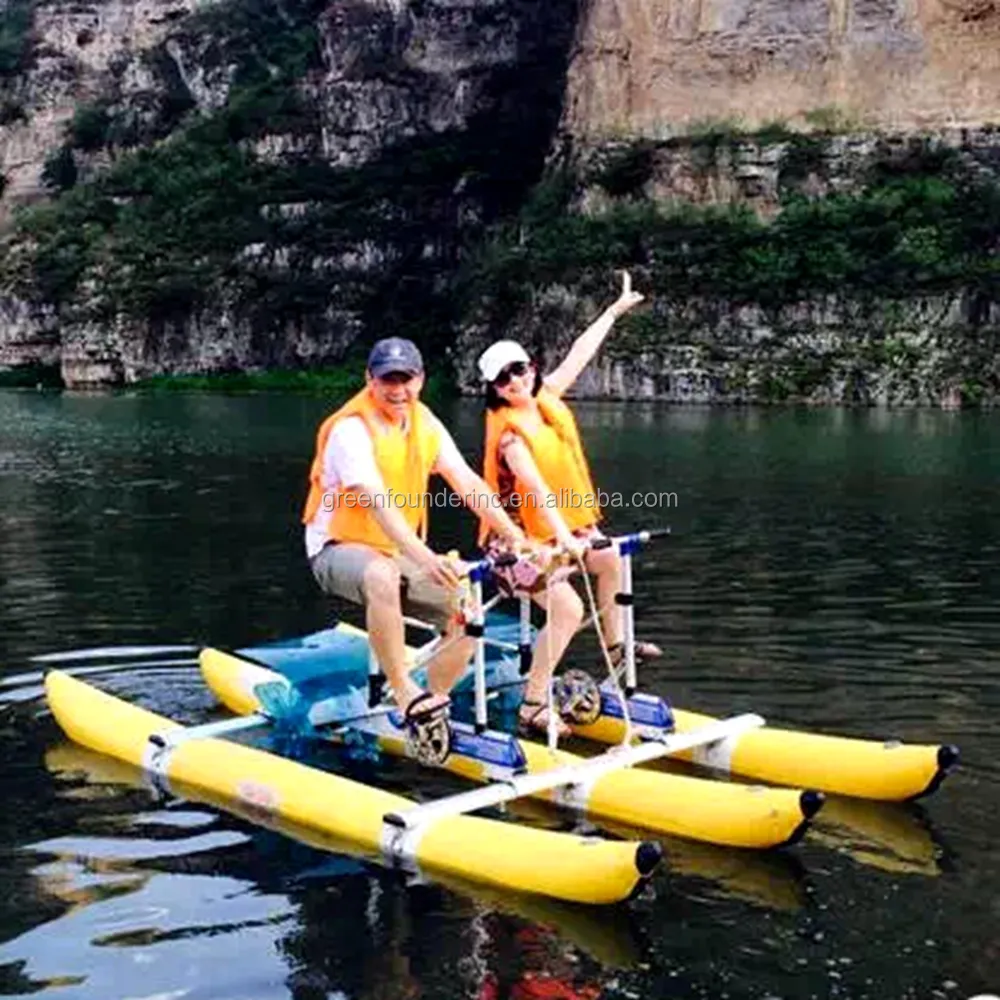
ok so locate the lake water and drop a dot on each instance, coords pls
(835, 571)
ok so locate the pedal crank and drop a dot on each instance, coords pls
(429, 739)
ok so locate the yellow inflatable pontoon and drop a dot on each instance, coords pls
(887, 771)
(604, 932)
(485, 851)
(724, 813)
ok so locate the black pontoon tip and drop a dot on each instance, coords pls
(647, 856)
(948, 756)
(810, 802)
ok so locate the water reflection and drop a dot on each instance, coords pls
(301, 854)
(892, 836)
(311, 915)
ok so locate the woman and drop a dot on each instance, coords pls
(534, 460)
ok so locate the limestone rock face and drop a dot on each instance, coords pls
(441, 115)
(928, 352)
(464, 94)
(80, 52)
(392, 73)
(657, 67)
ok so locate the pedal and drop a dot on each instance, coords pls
(428, 740)
(577, 697)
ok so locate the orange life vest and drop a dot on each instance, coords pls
(555, 446)
(403, 457)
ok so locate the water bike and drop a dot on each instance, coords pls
(436, 836)
(329, 685)
(318, 668)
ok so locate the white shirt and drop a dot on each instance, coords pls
(349, 459)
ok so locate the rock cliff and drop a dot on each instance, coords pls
(289, 178)
(659, 67)
(245, 184)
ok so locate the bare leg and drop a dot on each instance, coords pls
(384, 619)
(445, 669)
(563, 615)
(607, 567)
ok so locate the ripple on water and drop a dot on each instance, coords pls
(212, 934)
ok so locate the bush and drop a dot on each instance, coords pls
(16, 20)
(90, 127)
(59, 172)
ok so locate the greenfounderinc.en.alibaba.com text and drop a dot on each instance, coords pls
(561, 499)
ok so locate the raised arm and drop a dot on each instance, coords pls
(589, 342)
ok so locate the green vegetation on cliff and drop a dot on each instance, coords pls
(238, 212)
(334, 383)
(920, 226)
(16, 18)
(163, 229)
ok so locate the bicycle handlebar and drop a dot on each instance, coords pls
(627, 545)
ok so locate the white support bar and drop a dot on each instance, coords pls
(628, 627)
(428, 626)
(423, 653)
(174, 737)
(420, 623)
(612, 760)
(323, 713)
(511, 647)
(479, 656)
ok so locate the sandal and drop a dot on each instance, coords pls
(411, 717)
(643, 651)
(538, 720)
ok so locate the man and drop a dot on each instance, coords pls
(366, 520)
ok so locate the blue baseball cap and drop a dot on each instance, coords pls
(394, 354)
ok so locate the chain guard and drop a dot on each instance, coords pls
(577, 697)
(428, 740)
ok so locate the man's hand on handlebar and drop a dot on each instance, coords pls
(445, 570)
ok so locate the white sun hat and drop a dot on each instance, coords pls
(497, 356)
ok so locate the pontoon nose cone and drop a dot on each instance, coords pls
(647, 856)
(810, 803)
(948, 757)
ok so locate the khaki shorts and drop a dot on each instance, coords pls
(340, 569)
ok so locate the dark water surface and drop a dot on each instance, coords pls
(834, 571)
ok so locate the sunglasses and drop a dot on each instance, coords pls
(517, 369)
